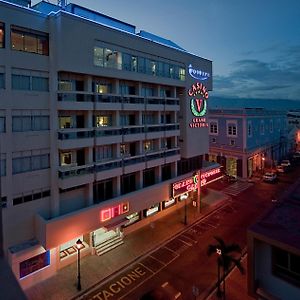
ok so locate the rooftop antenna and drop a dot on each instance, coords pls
(62, 3)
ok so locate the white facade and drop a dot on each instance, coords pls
(93, 129)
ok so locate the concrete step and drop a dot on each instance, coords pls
(108, 245)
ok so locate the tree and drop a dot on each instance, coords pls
(225, 260)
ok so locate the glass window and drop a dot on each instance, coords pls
(182, 74)
(45, 161)
(36, 162)
(104, 152)
(28, 40)
(2, 35)
(231, 129)
(40, 84)
(3, 167)
(249, 128)
(2, 81)
(20, 82)
(141, 65)
(133, 63)
(40, 123)
(65, 158)
(98, 56)
(65, 122)
(65, 85)
(102, 88)
(213, 128)
(103, 121)
(2, 124)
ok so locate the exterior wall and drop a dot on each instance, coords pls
(68, 209)
(253, 151)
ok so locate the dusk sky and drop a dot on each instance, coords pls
(254, 45)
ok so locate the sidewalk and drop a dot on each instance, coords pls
(96, 268)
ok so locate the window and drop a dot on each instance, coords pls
(102, 88)
(213, 127)
(231, 129)
(65, 85)
(213, 140)
(65, 122)
(262, 127)
(30, 163)
(3, 167)
(30, 123)
(103, 190)
(231, 142)
(30, 197)
(2, 124)
(271, 126)
(148, 145)
(29, 83)
(65, 158)
(2, 35)
(103, 121)
(149, 177)
(286, 265)
(249, 129)
(2, 81)
(104, 152)
(128, 183)
(28, 40)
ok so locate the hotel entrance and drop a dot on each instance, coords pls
(104, 240)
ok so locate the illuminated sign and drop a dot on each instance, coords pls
(34, 264)
(112, 212)
(191, 184)
(198, 74)
(198, 105)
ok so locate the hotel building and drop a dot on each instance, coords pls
(100, 127)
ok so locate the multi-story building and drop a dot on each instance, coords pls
(247, 140)
(274, 250)
(97, 124)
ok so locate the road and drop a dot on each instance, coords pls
(183, 262)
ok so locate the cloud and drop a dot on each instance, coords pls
(277, 79)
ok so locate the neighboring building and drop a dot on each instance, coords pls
(98, 124)
(247, 140)
(293, 117)
(274, 250)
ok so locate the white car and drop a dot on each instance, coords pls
(286, 163)
(270, 177)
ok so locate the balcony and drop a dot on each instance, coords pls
(75, 138)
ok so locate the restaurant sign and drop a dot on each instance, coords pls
(114, 211)
(191, 183)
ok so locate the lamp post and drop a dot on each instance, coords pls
(78, 246)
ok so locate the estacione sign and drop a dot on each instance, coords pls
(191, 183)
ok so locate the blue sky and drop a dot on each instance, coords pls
(254, 45)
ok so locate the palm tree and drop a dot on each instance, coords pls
(225, 260)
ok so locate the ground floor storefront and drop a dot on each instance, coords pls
(100, 228)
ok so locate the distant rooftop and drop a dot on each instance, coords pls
(48, 8)
(282, 222)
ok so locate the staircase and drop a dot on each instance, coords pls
(108, 245)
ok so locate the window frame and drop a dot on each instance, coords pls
(231, 124)
(2, 42)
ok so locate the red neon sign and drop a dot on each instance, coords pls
(114, 211)
(191, 184)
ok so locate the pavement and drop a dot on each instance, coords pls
(95, 269)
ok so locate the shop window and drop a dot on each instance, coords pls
(28, 40)
(151, 210)
(2, 35)
(133, 218)
(286, 265)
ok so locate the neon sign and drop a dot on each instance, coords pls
(191, 184)
(199, 95)
(112, 212)
(198, 74)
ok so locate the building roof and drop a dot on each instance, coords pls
(281, 224)
(91, 15)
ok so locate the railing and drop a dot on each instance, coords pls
(69, 134)
(72, 171)
(77, 96)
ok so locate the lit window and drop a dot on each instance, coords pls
(103, 121)
(66, 158)
(2, 35)
(65, 122)
(28, 40)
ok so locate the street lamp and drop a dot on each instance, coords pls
(78, 246)
(184, 197)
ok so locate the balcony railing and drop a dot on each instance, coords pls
(74, 96)
(72, 171)
(69, 134)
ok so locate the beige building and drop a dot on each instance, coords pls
(97, 122)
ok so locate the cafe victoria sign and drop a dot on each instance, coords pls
(191, 183)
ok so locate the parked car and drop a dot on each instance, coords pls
(286, 163)
(281, 169)
(270, 177)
